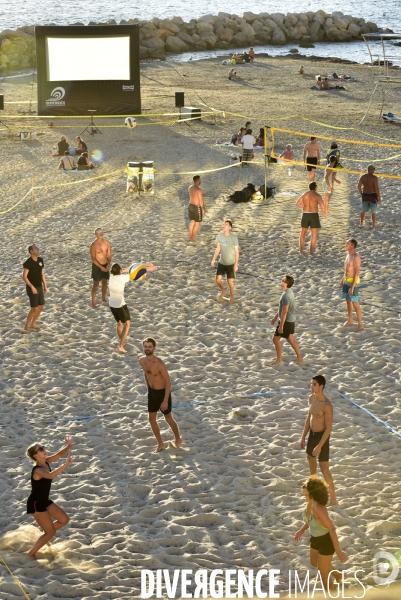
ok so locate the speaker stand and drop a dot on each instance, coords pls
(179, 120)
(91, 129)
(6, 126)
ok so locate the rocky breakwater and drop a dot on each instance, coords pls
(160, 37)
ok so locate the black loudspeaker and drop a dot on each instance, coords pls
(179, 100)
(1, 102)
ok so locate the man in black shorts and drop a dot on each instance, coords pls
(312, 157)
(310, 202)
(196, 207)
(318, 424)
(100, 252)
(286, 325)
(228, 248)
(36, 287)
(159, 393)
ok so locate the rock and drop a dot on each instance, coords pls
(250, 17)
(319, 18)
(5, 45)
(209, 38)
(354, 29)
(278, 18)
(175, 45)
(177, 21)
(155, 47)
(249, 31)
(332, 34)
(278, 38)
(207, 19)
(167, 24)
(163, 34)
(223, 15)
(270, 24)
(372, 26)
(224, 34)
(143, 52)
(340, 23)
(257, 25)
(240, 39)
(202, 27)
(293, 51)
(306, 42)
(4, 60)
(201, 45)
(263, 37)
(186, 38)
(314, 29)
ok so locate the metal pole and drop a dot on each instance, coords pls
(265, 155)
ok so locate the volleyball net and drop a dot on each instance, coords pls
(355, 155)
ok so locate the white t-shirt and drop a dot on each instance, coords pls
(248, 141)
(116, 289)
(68, 162)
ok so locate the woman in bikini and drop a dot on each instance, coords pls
(48, 515)
(323, 541)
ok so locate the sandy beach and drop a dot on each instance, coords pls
(230, 499)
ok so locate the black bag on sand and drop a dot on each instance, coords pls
(244, 195)
(270, 191)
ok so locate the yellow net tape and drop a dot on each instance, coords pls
(323, 137)
(15, 579)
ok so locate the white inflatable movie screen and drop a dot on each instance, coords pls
(88, 58)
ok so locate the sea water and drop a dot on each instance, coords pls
(385, 13)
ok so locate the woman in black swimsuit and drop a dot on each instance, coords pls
(46, 513)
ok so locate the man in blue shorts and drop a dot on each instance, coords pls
(368, 187)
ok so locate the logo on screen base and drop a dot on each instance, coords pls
(57, 96)
(128, 88)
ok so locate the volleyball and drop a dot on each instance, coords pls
(137, 271)
(130, 122)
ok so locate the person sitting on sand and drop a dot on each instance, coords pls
(232, 74)
(319, 82)
(325, 84)
(251, 53)
(246, 57)
(81, 146)
(324, 541)
(301, 70)
(238, 58)
(237, 137)
(62, 145)
(48, 515)
(84, 163)
(67, 162)
(158, 383)
(288, 153)
(118, 278)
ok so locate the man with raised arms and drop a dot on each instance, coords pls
(100, 252)
(319, 424)
(196, 207)
(368, 187)
(159, 393)
(350, 283)
(310, 202)
(312, 157)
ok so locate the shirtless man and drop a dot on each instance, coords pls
(310, 202)
(100, 252)
(319, 424)
(159, 393)
(368, 187)
(312, 157)
(196, 207)
(350, 283)
(328, 181)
